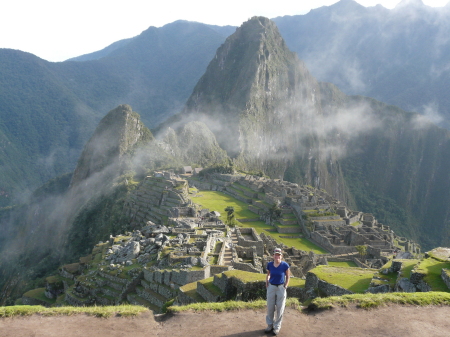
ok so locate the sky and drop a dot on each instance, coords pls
(57, 30)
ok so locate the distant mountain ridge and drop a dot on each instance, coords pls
(376, 52)
(398, 56)
(48, 110)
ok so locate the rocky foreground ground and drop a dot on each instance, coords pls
(387, 321)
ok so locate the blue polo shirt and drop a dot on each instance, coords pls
(277, 274)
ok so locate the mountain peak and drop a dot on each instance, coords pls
(254, 84)
(114, 136)
(347, 4)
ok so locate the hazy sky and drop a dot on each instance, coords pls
(56, 30)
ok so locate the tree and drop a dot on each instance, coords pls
(230, 215)
(362, 250)
(274, 213)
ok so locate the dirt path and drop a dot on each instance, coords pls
(389, 321)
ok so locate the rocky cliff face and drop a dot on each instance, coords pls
(194, 144)
(396, 166)
(259, 99)
(117, 133)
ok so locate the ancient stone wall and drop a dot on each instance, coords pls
(334, 223)
(288, 230)
(210, 241)
(257, 242)
(245, 267)
(183, 299)
(207, 295)
(178, 277)
(217, 269)
(329, 289)
(312, 281)
(237, 196)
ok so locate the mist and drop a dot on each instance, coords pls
(396, 56)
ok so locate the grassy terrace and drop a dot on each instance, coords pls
(376, 300)
(343, 264)
(242, 187)
(39, 295)
(432, 268)
(356, 280)
(361, 301)
(218, 201)
(98, 311)
(408, 266)
(213, 289)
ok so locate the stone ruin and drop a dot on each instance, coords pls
(149, 265)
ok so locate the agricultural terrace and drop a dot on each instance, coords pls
(356, 280)
(218, 201)
(432, 269)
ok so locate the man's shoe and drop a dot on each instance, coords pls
(276, 331)
(268, 329)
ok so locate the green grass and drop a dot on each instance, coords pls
(433, 268)
(190, 290)
(214, 200)
(298, 243)
(296, 282)
(213, 289)
(38, 294)
(356, 280)
(98, 311)
(245, 276)
(407, 267)
(213, 259)
(230, 306)
(242, 187)
(189, 287)
(53, 279)
(343, 264)
(376, 300)
(218, 201)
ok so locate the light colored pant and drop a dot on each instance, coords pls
(276, 296)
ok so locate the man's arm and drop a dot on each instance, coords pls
(267, 278)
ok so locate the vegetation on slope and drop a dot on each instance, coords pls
(100, 311)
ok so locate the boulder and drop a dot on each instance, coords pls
(384, 288)
(405, 285)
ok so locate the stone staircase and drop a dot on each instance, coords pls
(228, 256)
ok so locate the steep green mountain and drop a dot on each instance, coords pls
(116, 135)
(49, 110)
(41, 122)
(272, 115)
(397, 168)
(398, 56)
(254, 95)
(68, 215)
